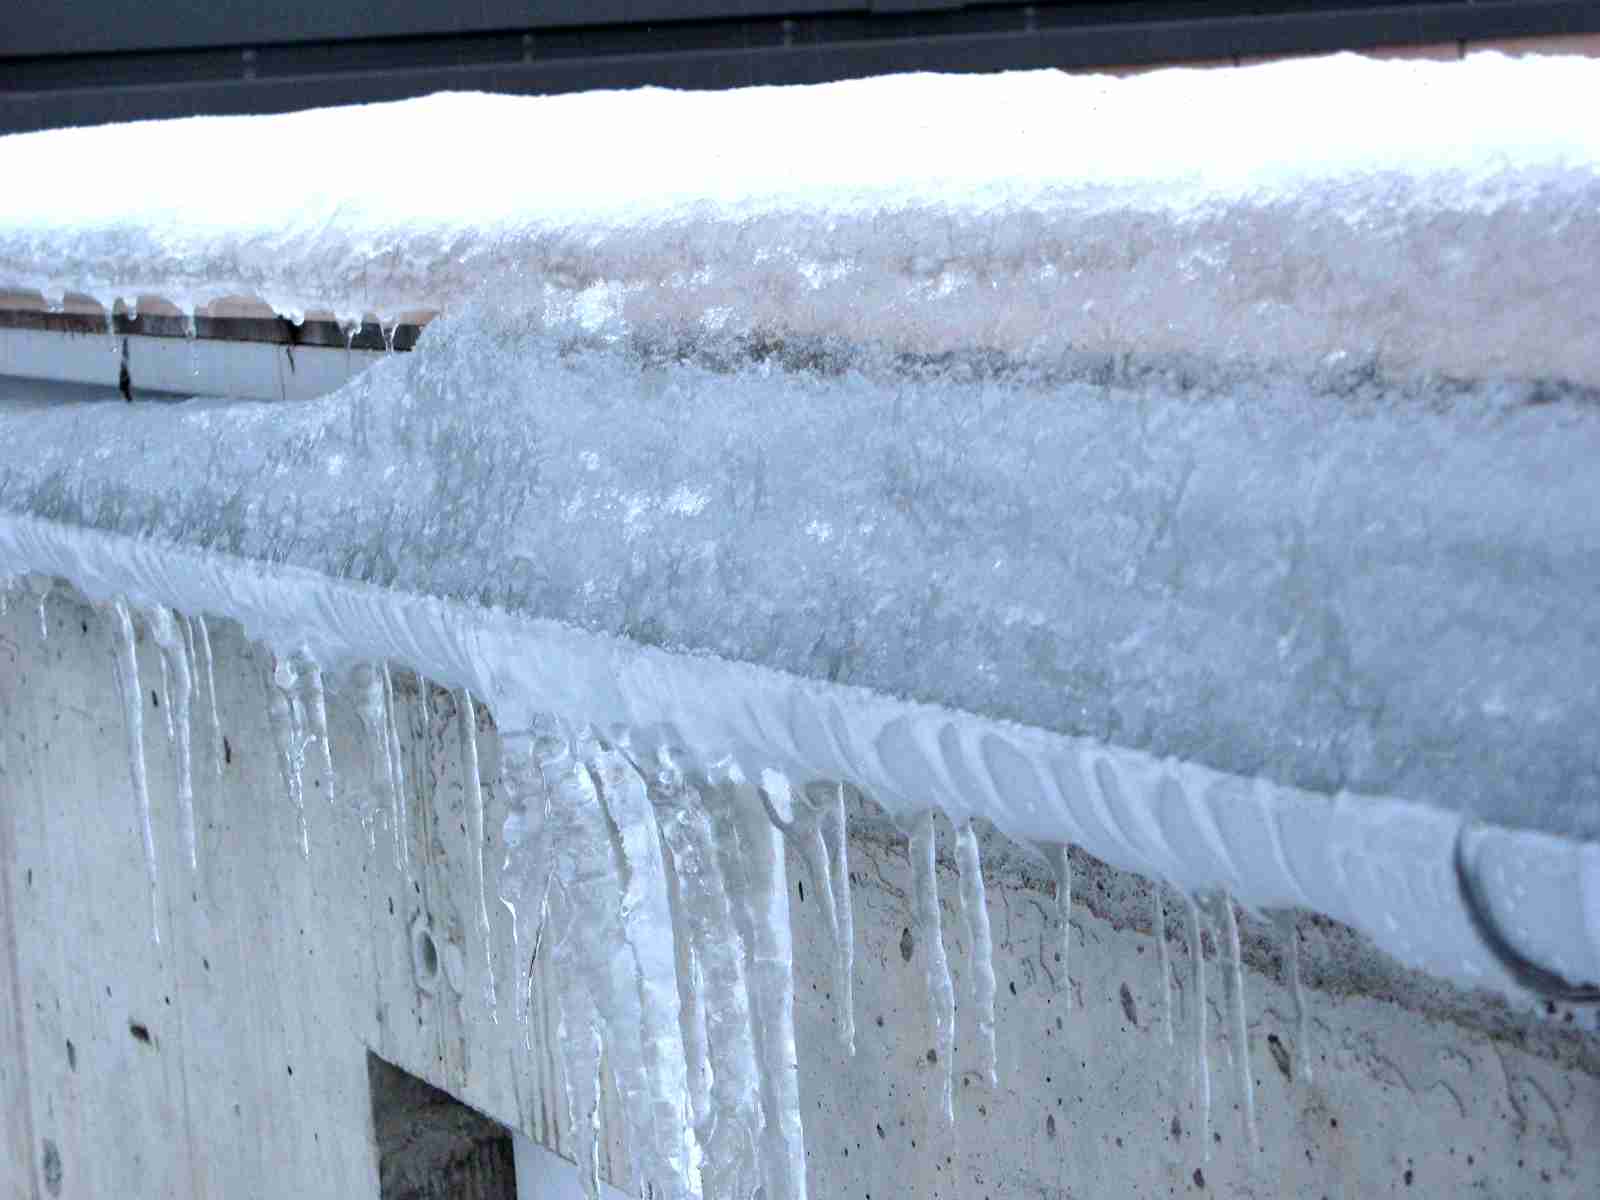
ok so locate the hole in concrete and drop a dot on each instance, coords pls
(431, 1146)
(426, 955)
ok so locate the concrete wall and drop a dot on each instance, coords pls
(231, 1059)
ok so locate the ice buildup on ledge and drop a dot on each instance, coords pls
(1121, 474)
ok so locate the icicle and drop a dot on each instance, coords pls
(40, 586)
(1061, 864)
(1158, 926)
(528, 873)
(371, 709)
(751, 854)
(397, 780)
(941, 993)
(975, 912)
(166, 681)
(836, 836)
(388, 326)
(656, 1079)
(691, 992)
(472, 784)
(728, 1120)
(805, 831)
(203, 644)
(132, 693)
(1302, 1015)
(287, 719)
(1197, 966)
(316, 710)
(581, 1048)
(1241, 1031)
(191, 335)
(175, 663)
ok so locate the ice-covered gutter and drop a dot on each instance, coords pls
(1196, 469)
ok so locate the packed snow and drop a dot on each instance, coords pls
(1283, 212)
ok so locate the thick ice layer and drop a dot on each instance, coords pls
(1274, 640)
(1346, 589)
(1280, 212)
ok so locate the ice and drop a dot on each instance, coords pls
(730, 1118)
(836, 835)
(582, 1056)
(472, 785)
(527, 877)
(648, 934)
(750, 851)
(584, 859)
(39, 586)
(315, 702)
(372, 708)
(166, 632)
(166, 685)
(202, 641)
(400, 814)
(1197, 1008)
(1240, 1033)
(820, 852)
(1067, 460)
(1158, 927)
(132, 694)
(1061, 865)
(1290, 936)
(936, 968)
(286, 715)
(980, 945)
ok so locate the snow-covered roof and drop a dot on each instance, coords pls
(1287, 211)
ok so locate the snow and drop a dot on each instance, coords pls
(1271, 212)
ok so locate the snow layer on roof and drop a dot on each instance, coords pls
(1423, 211)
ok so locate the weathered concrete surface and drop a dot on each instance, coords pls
(231, 1060)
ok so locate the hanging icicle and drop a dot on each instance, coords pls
(1236, 1007)
(1061, 864)
(1302, 1016)
(804, 830)
(836, 837)
(728, 1121)
(941, 993)
(315, 706)
(472, 784)
(40, 586)
(400, 813)
(527, 877)
(582, 845)
(1158, 927)
(372, 711)
(751, 851)
(164, 631)
(132, 694)
(286, 717)
(975, 913)
(1197, 987)
(202, 640)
